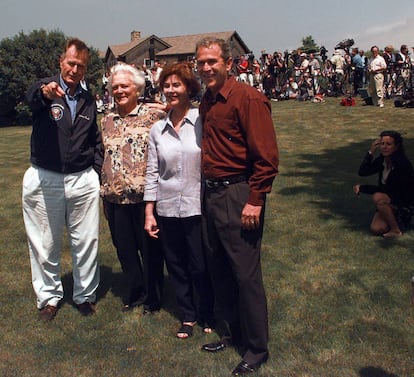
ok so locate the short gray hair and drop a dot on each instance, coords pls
(138, 77)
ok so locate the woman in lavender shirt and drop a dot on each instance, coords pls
(172, 196)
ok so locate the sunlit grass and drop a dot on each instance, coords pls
(338, 297)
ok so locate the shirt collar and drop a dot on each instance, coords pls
(65, 88)
(190, 118)
(133, 113)
(224, 91)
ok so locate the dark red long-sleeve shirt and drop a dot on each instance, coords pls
(239, 137)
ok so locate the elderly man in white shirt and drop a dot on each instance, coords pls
(376, 68)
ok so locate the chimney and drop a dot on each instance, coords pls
(135, 35)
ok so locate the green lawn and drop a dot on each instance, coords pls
(339, 298)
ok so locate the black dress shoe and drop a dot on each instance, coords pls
(245, 368)
(214, 347)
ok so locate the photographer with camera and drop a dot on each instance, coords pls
(314, 71)
(280, 70)
(389, 58)
(338, 63)
(403, 70)
(402, 58)
(305, 85)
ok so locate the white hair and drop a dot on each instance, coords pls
(138, 77)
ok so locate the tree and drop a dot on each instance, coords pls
(26, 58)
(308, 45)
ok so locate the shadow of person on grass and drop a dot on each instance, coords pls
(375, 372)
(106, 277)
(115, 282)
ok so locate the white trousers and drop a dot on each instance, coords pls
(376, 88)
(52, 201)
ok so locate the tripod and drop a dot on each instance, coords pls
(403, 84)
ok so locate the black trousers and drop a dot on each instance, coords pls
(144, 273)
(358, 79)
(186, 264)
(233, 256)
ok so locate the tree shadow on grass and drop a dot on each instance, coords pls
(325, 182)
(328, 179)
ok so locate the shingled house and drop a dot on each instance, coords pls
(144, 50)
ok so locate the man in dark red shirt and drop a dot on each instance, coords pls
(239, 164)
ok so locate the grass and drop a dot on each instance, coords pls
(339, 298)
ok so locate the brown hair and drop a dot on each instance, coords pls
(399, 154)
(185, 73)
(224, 46)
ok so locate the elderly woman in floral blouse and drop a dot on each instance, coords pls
(125, 134)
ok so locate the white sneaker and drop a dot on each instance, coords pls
(381, 105)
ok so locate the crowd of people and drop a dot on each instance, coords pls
(349, 72)
(310, 76)
(180, 184)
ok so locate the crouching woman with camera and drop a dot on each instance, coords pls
(393, 196)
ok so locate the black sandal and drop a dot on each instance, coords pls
(186, 330)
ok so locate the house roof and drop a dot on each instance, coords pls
(119, 50)
(178, 45)
(185, 44)
(122, 49)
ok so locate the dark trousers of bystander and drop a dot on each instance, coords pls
(233, 256)
(144, 273)
(358, 79)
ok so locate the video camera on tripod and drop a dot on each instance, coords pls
(345, 44)
(322, 52)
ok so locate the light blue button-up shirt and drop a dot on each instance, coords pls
(72, 101)
(173, 177)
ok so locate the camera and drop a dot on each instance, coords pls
(345, 44)
(322, 53)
